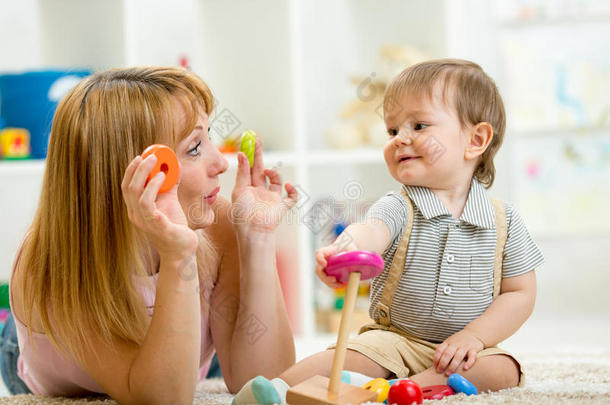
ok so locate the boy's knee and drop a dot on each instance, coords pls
(511, 372)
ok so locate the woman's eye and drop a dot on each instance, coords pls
(392, 131)
(195, 150)
(419, 126)
(209, 135)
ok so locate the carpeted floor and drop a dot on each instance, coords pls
(562, 377)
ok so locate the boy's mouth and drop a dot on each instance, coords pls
(405, 158)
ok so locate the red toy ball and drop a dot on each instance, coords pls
(405, 392)
(437, 391)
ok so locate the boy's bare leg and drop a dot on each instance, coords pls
(320, 364)
(489, 373)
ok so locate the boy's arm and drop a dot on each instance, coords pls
(507, 312)
(504, 317)
(372, 234)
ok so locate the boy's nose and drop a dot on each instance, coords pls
(404, 138)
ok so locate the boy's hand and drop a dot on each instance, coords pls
(323, 253)
(459, 346)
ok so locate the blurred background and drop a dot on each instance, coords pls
(308, 77)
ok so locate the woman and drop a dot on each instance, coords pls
(104, 246)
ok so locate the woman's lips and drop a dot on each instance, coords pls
(211, 198)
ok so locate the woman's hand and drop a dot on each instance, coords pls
(457, 347)
(256, 205)
(159, 216)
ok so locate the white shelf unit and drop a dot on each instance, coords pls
(280, 67)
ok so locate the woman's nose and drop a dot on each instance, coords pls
(219, 164)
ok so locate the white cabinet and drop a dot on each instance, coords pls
(279, 67)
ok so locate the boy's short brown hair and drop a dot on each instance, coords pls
(475, 98)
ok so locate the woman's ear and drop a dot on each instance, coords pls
(479, 138)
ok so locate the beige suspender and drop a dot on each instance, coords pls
(501, 232)
(398, 263)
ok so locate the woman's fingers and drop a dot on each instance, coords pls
(129, 171)
(258, 175)
(242, 178)
(139, 177)
(293, 195)
(148, 197)
(275, 180)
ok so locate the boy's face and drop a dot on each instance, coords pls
(426, 142)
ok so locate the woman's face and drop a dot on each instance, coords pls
(200, 164)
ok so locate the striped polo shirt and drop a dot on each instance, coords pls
(448, 277)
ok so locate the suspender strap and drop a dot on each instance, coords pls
(397, 267)
(398, 263)
(501, 234)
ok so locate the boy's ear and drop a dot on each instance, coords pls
(479, 138)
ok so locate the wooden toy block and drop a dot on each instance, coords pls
(314, 391)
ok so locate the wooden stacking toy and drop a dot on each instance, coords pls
(350, 267)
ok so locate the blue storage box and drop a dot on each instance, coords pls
(28, 100)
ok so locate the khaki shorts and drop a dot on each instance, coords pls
(402, 354)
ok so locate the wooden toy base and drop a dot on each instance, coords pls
(314, 391)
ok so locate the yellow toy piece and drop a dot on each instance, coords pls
(380, 386)
(248, 142)
(15, 143)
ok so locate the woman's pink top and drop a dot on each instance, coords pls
(47, 371)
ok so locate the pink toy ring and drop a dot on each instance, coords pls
(368, 264)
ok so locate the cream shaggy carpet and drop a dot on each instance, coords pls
(565, 377)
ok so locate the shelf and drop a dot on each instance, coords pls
(342, 157)
(21, 167)
(271, 159)
(535, 22)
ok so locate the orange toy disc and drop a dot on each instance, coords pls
(167, 162)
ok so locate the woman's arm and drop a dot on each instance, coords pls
(164, 368)
(248, 317)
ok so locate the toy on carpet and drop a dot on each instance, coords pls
(437, 391)
(405, 392)
(350, 266)
(460, 384)
(167, 162)
(379, 385)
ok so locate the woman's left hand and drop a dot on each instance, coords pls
(457, 347)
(256, 205)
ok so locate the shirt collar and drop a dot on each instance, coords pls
(478, 210)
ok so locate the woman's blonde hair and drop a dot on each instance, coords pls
(81, 251)
(475, 98)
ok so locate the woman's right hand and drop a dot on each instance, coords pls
(322, 255)
(159, 216)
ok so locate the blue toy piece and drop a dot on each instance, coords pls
(460, 384)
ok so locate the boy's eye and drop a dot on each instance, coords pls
(392, 131)
(419, 126)
(195, 150)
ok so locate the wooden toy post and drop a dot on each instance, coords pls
(321, 390)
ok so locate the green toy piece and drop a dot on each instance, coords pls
(248, 142)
